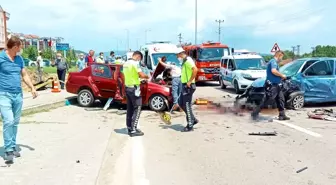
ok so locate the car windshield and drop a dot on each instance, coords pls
(250, 63)
(171, 58)
(212, 54)
(292, 68)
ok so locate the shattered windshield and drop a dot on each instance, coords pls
(292, 68)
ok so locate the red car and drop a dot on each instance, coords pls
(103, 81)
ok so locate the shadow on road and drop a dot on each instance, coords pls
(19, 146)
(176, 127)
(123, 131)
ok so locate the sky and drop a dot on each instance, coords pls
(105, 25)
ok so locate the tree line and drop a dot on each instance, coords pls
(318, 51)
(31, 53)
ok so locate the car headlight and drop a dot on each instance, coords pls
(246, 75)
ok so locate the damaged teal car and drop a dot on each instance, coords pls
(315, 78)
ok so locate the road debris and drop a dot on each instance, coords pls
(302, 169)
(322, 114)
(263, 133)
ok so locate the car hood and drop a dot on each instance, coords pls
(259, 83)
(158, 70)
(254, 73)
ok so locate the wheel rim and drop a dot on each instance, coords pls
(157, 102)
(85, 98)
(298, 102)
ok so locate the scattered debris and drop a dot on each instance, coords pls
(302, 169)
(322, 114)
(263, 133)
(78, 161)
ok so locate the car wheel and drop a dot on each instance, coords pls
(221, 83)
(32, 65)
(85, 98)
(236, 87)
(297, 102)
(157, 103)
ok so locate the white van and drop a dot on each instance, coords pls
(151, 52)
(241, 69)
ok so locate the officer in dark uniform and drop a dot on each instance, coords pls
(188, 75)
(132, 74)
(273, 87)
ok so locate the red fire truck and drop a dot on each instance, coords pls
(207, 58)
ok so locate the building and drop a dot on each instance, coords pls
(4, 17)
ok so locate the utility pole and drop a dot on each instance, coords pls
(219, 29)
(180, 38)
(298, 50)
(293, 50)
(195, 22)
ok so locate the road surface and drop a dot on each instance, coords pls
(86, 146)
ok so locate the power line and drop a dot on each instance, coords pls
(219, 29)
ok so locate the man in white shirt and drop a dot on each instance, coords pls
(176, 80)
(39, 62)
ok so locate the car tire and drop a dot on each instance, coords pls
(32, 65)
(222, 85)
(236, 87)
(85, 98)
(296, 102)
(157, 103)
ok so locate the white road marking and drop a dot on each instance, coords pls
(314, 134)
(138, 166)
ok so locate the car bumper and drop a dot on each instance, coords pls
(243, 84)
(207, 77)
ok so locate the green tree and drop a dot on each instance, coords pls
(47, 53)
(30, 53)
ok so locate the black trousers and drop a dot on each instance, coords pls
(273, 93)
(186, 103)
(61, 76)
(134, 104)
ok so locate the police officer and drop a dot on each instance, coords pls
(188, 75)
(273, 87)
(132, 75)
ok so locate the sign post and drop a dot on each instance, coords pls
(63, 47)
(275, 48)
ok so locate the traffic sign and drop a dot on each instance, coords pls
(62, 46)
(275, 48)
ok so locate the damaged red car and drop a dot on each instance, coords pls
(103, 81)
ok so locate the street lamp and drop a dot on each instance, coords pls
(128, 46)
(147, 30)
(195, 21)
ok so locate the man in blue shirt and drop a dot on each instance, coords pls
(12, 71)
(272, 87)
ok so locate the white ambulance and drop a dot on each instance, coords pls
(152, 51)
(241, 69)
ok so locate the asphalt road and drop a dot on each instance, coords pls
(87, 146)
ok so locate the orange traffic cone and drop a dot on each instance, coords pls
(55, 88)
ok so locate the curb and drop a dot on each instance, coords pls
(47, 107)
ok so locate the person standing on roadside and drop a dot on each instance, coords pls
(89, 59)
(62, 68)
(273, 87)
(176, 80)
(132, 74)
(39, 62)
(80, 62)
(100, 58)
(188, 75)
(11, 99)
(111, 58)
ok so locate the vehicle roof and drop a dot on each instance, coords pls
(160, 48)
(242, 56)
(207, 45)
